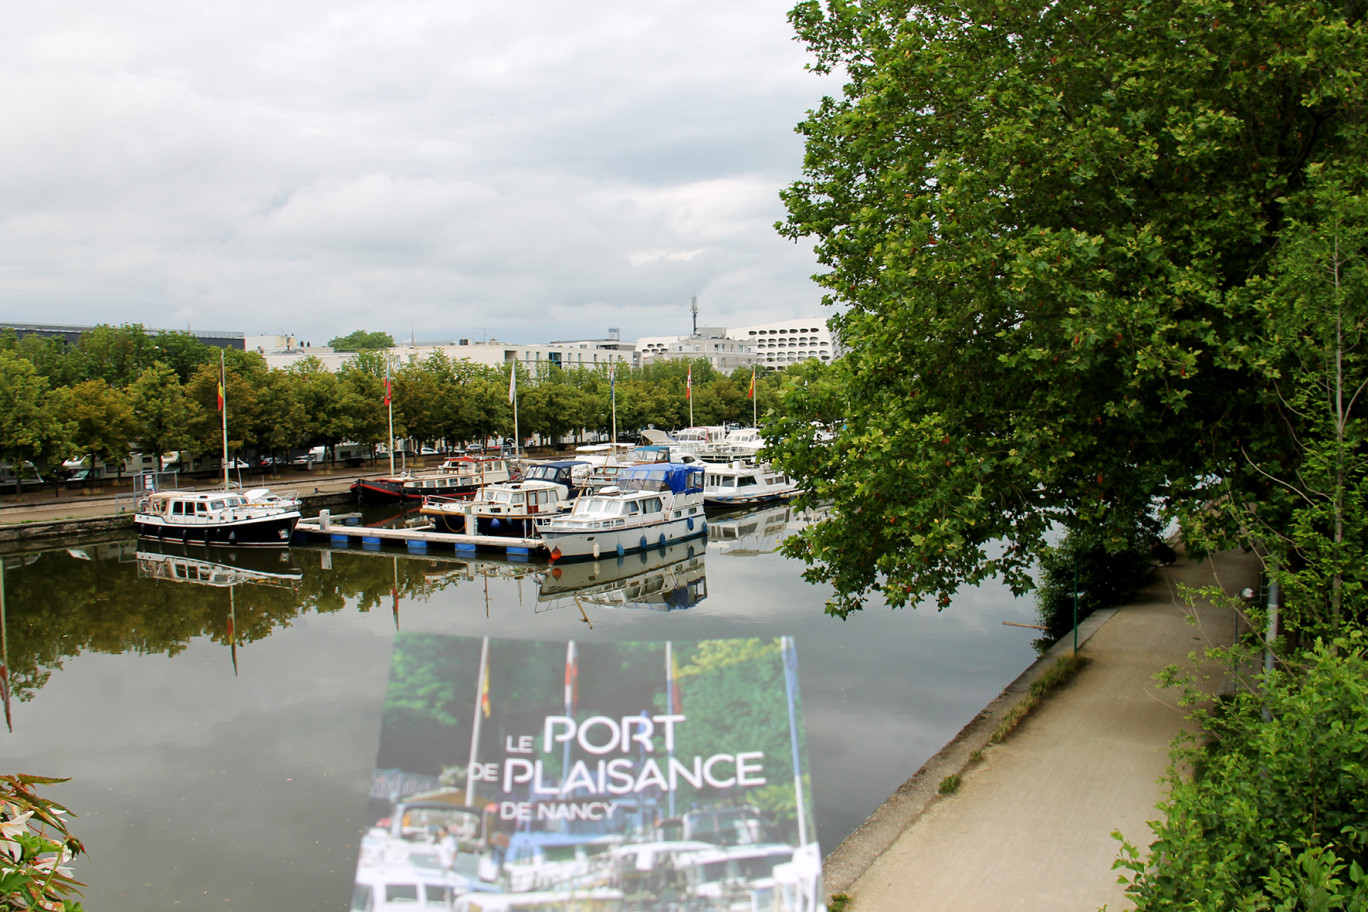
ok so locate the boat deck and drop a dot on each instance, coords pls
(336, 530)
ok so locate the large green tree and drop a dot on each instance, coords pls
(31, 431)
(362, 340)
(1036, 220)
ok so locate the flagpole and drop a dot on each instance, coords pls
(475, 732)
(612, 394)
(688, 393)
(513, 398)
(389, 404)
(670, 707)
(4, 653)
(754, 422)
(790, 657)
(571, 682)
(223, 411)
(232, 629)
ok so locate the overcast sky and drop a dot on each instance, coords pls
(525, 171)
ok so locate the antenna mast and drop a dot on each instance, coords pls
(693, 306)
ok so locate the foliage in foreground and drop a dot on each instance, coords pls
(34, 848)
(1065, 240)
(1275, 814)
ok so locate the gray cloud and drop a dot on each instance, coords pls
(532, 170)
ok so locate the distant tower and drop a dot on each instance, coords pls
(693, 306)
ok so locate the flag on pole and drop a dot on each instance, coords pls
(688, 384)
(513, 383)
(673, 672)
(752, 386)
(611, 381)
(484, 692)
(571, 678)
(221, 383)
(387, 389)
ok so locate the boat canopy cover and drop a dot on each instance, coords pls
(676, 478)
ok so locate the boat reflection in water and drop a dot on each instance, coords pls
(218, 567)
(750, 532)
(662, 579)
(223, 568)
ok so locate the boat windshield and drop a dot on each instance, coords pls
(603, 506)
(504, 497)
(644, 483)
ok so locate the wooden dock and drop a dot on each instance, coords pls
(338, 530)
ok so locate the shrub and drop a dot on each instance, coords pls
(1104, 577)
(1276, 815)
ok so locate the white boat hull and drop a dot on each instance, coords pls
(598, 539)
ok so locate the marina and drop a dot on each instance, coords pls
(415, 538)
(235, 694)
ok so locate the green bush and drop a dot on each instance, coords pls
(1105, 577)
(1276, 816)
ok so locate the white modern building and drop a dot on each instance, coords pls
(722, 351)
(284, 351)
(776, 344)
(790, 341)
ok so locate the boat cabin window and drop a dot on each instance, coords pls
(602, 505)
(651, 505)
(746, 480)
(405, 892)
(645, 483)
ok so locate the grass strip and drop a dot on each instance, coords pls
(1059, 675)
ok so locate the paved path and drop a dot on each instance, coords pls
(1030, 826)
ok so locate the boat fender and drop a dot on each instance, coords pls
(619, 549)
(643, 541)
(555, 553)
(690, 523)
(596, 550)
(662, 539)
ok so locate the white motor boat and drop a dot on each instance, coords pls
(740, 484)
(650, 505)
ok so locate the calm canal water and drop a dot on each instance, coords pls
(221, 739)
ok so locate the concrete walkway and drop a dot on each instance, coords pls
(1030, 825)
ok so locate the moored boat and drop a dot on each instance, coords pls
(738, 484)
(651, 505)
(742, 444)
(255, 517)
(460, 477)
(509, 508)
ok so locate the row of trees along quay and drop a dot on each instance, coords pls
(121, 389)
(1099, 268)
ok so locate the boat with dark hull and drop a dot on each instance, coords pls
(250, 518)
(457, 478)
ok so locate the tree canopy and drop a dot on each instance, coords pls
(361, 340)
(1044, 226)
